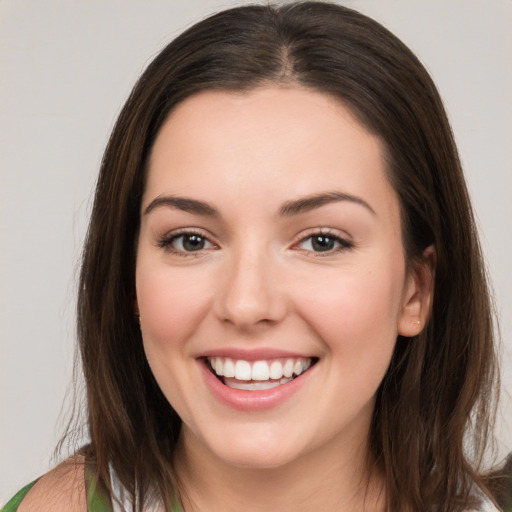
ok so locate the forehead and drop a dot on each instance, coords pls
(274, 139)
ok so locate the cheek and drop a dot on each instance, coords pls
(356, 310)
(171, 304)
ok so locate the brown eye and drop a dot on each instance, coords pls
(191, 242)
(185, 243)
(324, 243)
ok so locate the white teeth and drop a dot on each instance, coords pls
(276, 370)
(218, 366)
(288, 368)
(243, 370)
(253, 385)
(260, 371)
(229, 368)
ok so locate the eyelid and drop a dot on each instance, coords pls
(343, 239)
(165, 240)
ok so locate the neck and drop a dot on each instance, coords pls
(315, 481)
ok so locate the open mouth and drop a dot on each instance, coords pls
(258, 375)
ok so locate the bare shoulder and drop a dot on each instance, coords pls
(60, 490)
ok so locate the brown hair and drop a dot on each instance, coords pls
(438, 392)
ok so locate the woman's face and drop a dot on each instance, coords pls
(270, 246)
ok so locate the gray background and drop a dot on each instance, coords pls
(66, 68)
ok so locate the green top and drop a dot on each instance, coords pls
(97, 500)
(14, 503)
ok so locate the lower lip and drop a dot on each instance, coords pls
(260, 400)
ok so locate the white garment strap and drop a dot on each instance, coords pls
(121, 501)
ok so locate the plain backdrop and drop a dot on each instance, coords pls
(66, 67)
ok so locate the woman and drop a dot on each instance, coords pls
(283, 303)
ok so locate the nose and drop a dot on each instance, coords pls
(251, 293)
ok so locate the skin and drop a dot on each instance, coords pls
(259, 283)
(61, 490)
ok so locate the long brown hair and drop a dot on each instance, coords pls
(434, 406)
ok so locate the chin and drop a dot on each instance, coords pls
(257, 453)
(260, 460)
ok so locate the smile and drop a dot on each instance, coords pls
(258, 375)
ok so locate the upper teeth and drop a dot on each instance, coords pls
(258, 370)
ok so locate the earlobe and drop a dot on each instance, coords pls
(418, 295)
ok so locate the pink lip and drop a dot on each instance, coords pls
(257, 354)
(252, 401)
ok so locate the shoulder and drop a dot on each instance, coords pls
(60, 490)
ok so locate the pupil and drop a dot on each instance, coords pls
(193, 243)
(322, 243)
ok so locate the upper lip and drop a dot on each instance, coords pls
(255, 354)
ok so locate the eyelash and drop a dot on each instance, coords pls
(342, 243)
(166, 243)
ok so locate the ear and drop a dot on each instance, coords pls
(418, 295)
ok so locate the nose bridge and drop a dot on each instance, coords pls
(251, 293)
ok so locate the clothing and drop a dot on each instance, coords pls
(97, 501)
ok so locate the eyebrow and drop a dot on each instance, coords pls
(183, 203)
(289, 208)
(308, 203)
